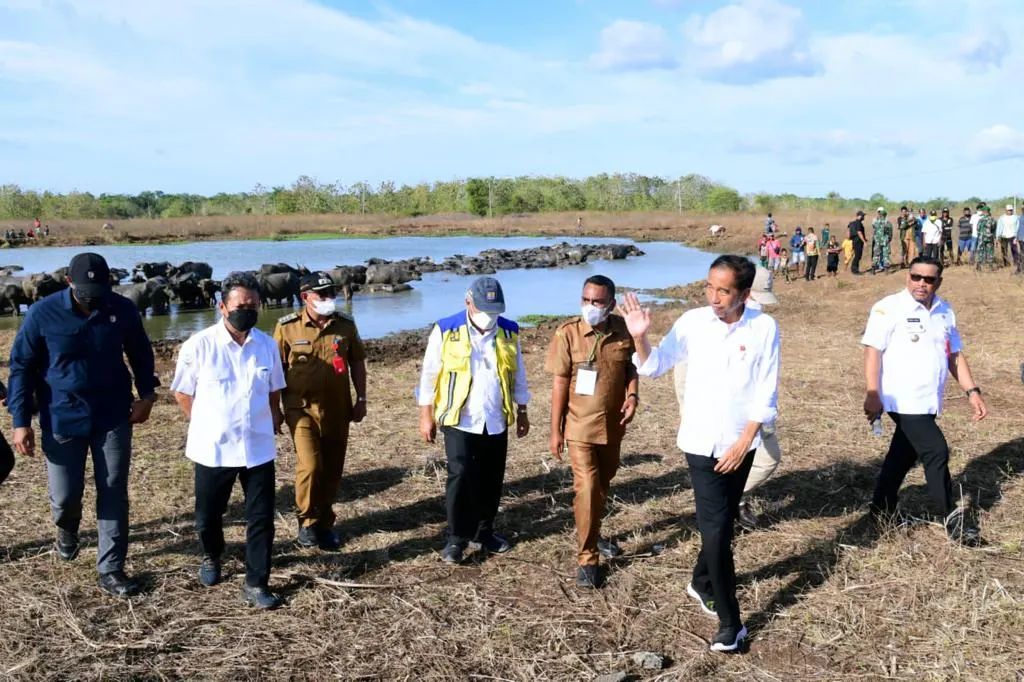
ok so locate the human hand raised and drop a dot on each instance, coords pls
(638, 318)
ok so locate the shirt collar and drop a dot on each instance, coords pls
(310, 322)
(224, 336)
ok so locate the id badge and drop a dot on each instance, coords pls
(586, 380)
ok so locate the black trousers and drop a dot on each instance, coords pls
(6, 459)
(717, 497)
(812, 267)
(213, 490)
(476, 472)
(917, 436)
(858, 252)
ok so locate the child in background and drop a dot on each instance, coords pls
(832, 250)
(762, 249)
(847, 253)
(784, 263)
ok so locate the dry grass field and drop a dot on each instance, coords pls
(827, 595)
(687, 227)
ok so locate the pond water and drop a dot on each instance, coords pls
(548, 291)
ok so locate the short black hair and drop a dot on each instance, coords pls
(904, 208)
(743, 270)
(927, 260)
(238, 280)
(602, 281)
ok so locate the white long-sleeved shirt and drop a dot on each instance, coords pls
(732, 376)
(1006, 226)
(931, 232)
(230, 384)
(975, 219)
(483, 406)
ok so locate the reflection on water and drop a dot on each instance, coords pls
(550, 291)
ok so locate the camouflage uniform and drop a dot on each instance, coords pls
(881, 236)
(986, 241)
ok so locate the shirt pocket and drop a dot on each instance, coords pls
(66, 345)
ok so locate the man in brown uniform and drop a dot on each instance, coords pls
(323, 358)
(593, 397)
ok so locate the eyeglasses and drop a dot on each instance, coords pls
(928, 279)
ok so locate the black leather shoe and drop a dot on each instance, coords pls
(209, 571)
(452, 553)
(307, 537)
(260, 597)
(588, 577)
(118, 584)
(495, 544)
(67, 544)
(608, 549)
(327, 540)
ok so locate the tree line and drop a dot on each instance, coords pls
(481, 196)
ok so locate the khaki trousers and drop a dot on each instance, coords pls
(768, 453)
(593, 467)
(319, 461)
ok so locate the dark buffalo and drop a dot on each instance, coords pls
(203, 270)
(187, 290)
(389, 273)
(154, 293)
(279, 288)
(150, 270)
(41, 285)
(209, 289)
(12, 295)
(347, 278)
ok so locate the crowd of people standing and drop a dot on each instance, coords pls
(977, 239)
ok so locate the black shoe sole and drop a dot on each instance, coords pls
(67, 556)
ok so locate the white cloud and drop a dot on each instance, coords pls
(998, 142)
(751, 41)
(982, 51)
(633, 45)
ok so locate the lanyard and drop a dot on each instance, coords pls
(593, 349)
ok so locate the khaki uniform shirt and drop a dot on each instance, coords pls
(594, 418)
(307, 353)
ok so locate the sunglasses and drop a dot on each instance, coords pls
(928, 279)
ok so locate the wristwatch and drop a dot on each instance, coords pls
(634, 396)
(361, 399)
(973, 390)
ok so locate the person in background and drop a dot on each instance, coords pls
(797, 244)
(906, 225)
(932, 235)
(975, 220)
(1020, 243)
(966, 242)
(813, 252)
(946, 250)
(847, 253)
(6, 454)
(784, 264)
(68, 359)
(594, 395)
(1006, 229)
(762, 249)
(228, 384)
(857, 236)
(774, 253)
(881, 237)
(911, 344)
(826, 235)
(832, 266)
(324, 360)
(986, 239)
(732, 355)
(922, 218)
(473, 385)
(770, 225)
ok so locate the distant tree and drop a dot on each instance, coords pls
(723, 200)
(478, 195)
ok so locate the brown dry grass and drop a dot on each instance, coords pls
(825, 595)
(687, 227)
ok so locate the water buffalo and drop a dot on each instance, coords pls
(154, 293)
(149, 270)
(347, 278)
(41, 285)
(203, 270)
(278, 268)
(389, 273)
(12, 295)
(209, 288)
(279, 287)
(187, 290)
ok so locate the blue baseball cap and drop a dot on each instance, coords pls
(487, 295)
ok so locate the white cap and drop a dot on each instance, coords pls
(761, 291)
(880, 209)
(1009, 207)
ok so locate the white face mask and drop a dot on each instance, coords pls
(325, 307)
(594, 315)
(484, 321)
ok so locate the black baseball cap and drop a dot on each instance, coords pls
(316, 281)
(90, 274)
(487, 295)
(860, 214)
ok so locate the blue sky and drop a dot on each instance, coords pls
(911, 98)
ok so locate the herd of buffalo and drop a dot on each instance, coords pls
(154, 286)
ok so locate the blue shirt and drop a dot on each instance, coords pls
(70, 366)
(1020, 227)
(797, 242)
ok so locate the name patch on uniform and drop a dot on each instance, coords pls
(302, 342)
(914, 319)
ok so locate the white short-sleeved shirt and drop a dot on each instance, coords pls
(230, 385)
(975, 219)
(732, 376)
(916, 344)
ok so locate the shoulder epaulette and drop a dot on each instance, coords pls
(345, 316)
(290, 317)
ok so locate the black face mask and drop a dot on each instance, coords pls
(90, 303)
(242, 319)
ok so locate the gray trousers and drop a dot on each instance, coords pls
(65, 472)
